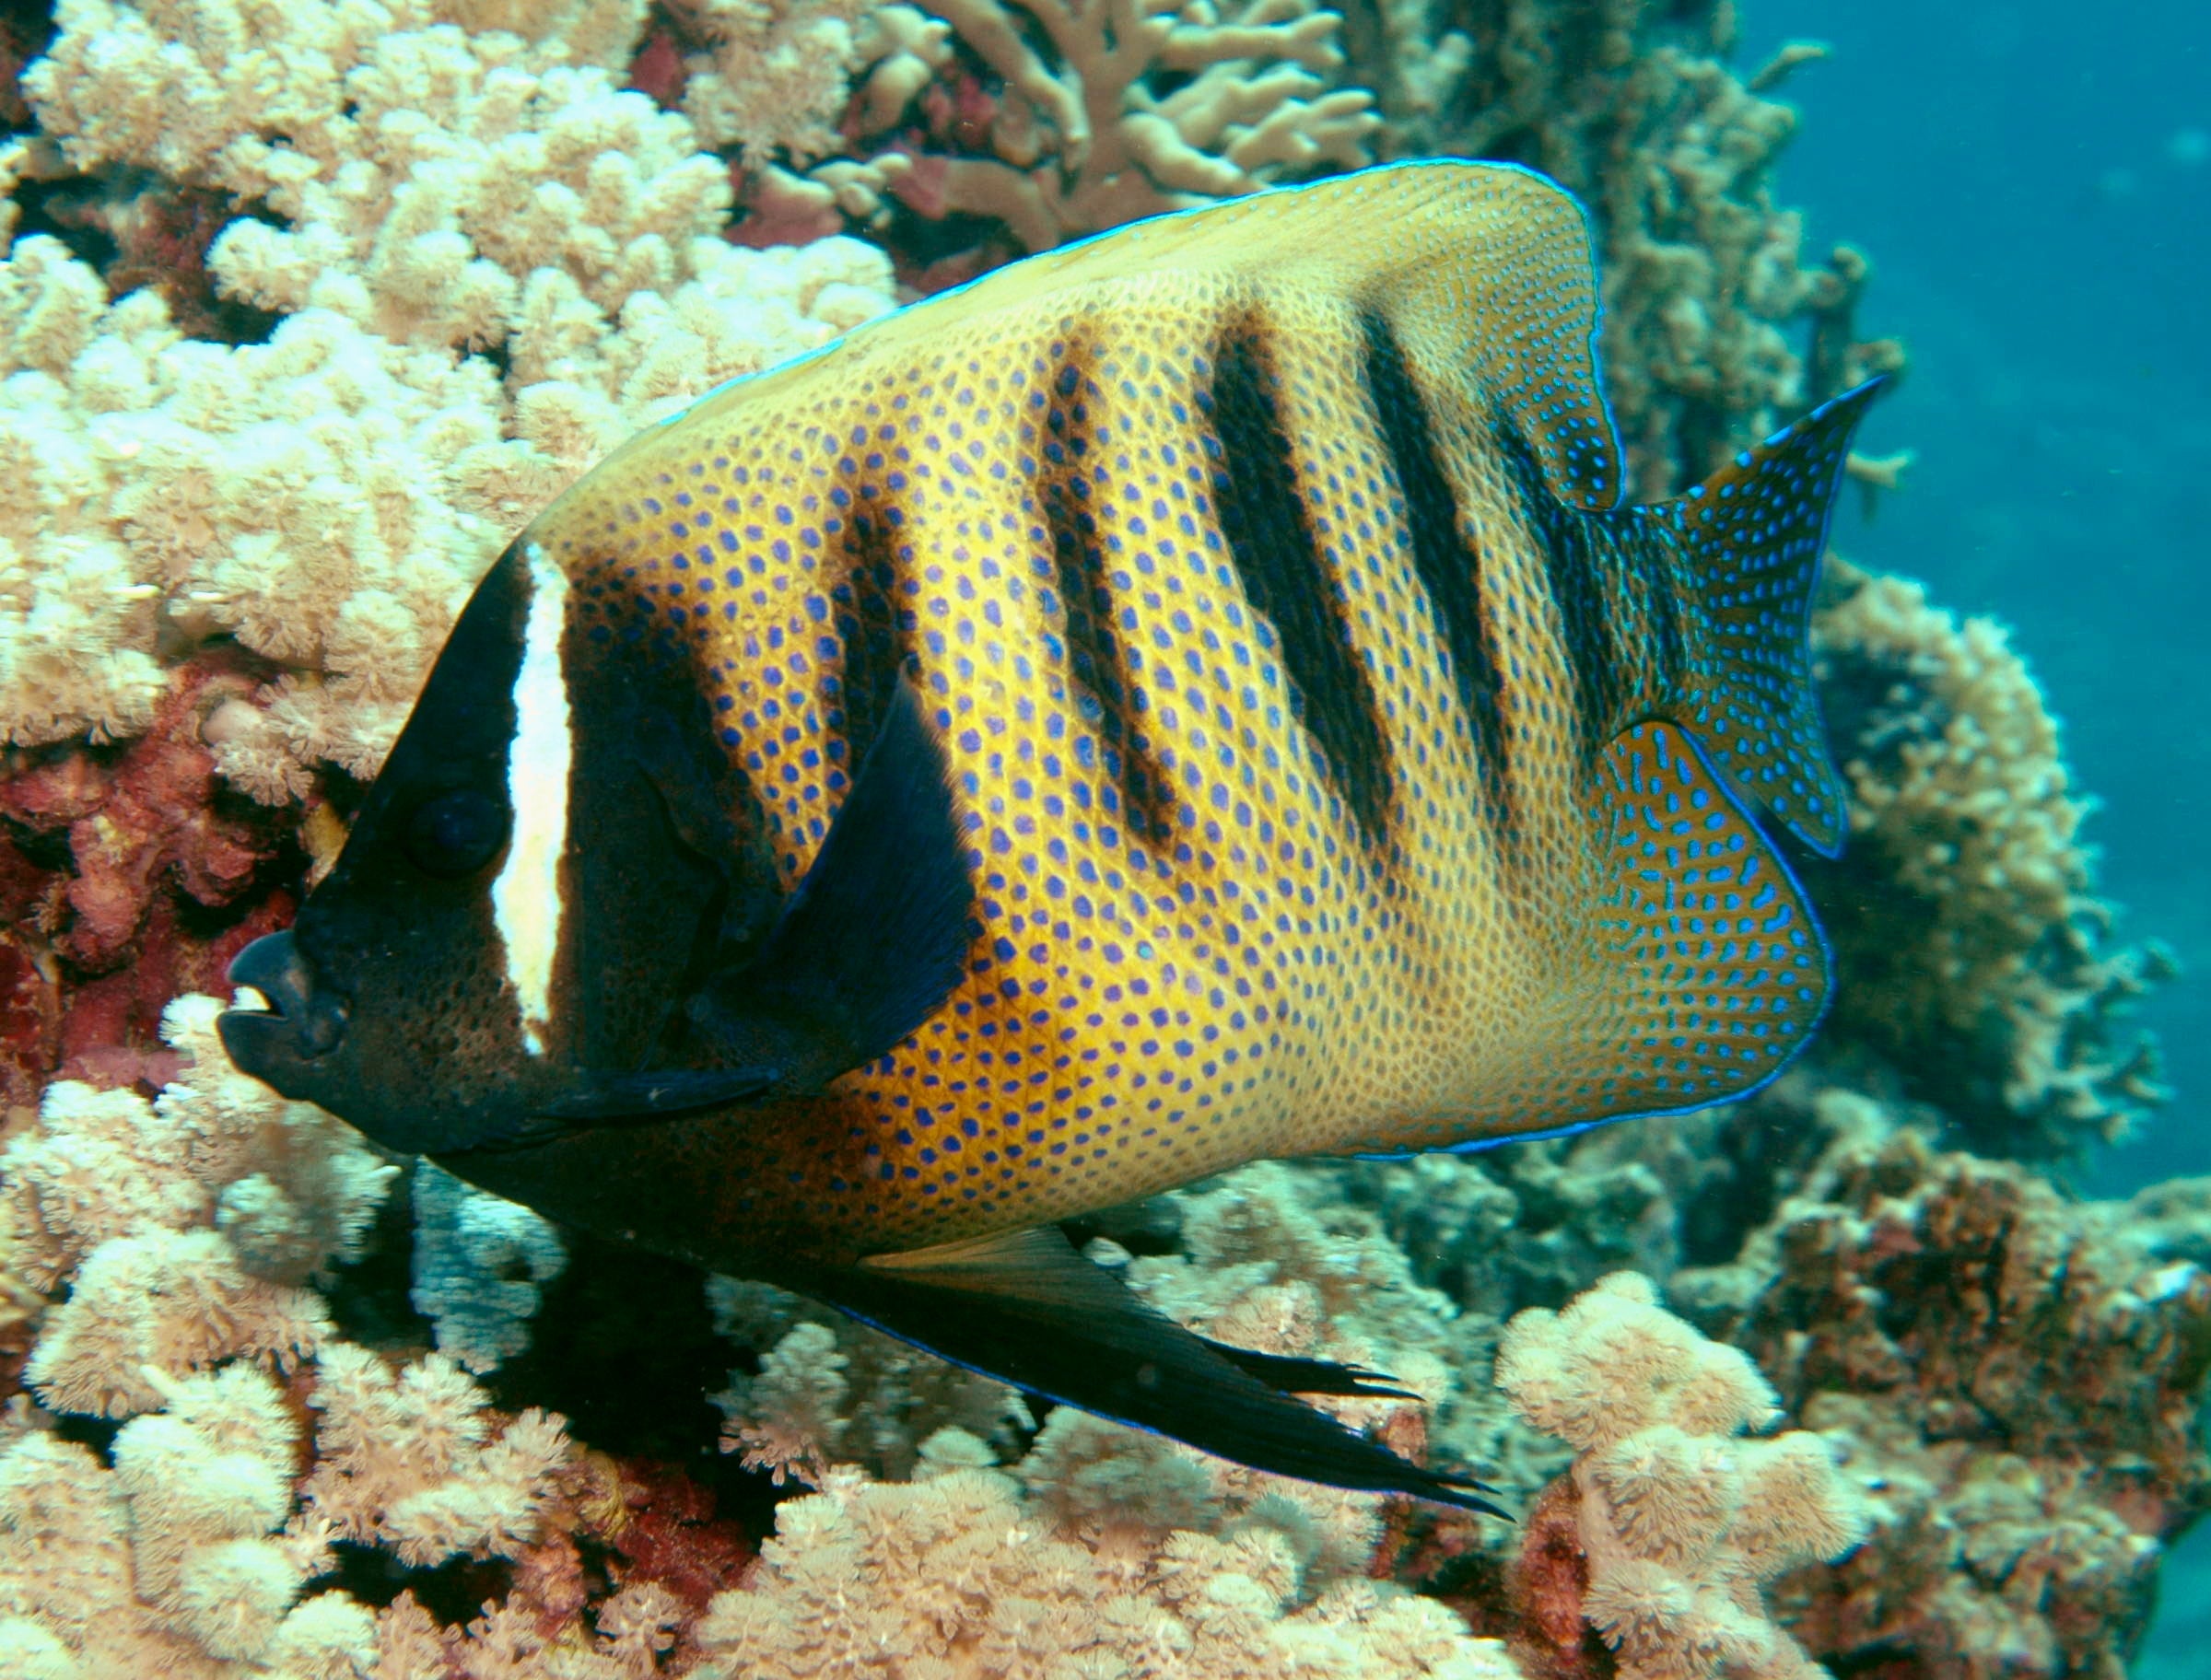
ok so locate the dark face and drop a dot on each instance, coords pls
(508, 902)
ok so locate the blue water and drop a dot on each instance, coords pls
(2034, 184)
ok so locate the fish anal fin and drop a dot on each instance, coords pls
(1701, 971)
(874, 937)
(1712, 973)
(1025, 1308)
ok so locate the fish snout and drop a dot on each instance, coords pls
(297, 1023)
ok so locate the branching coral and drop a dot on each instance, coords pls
(1054, 117)
(1677, 1523)
(1972, 950)
(291, 494)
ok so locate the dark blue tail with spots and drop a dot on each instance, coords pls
(1753, 536)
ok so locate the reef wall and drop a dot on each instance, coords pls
(309, 303)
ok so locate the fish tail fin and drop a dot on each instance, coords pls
(1751, 537)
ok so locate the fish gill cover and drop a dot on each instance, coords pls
(309, 306)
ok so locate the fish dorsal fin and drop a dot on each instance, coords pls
(863, 951)
(1024, 1307)
(1484, 272)
(1702, 971)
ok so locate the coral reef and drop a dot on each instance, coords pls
(174, 1560)
(827, 1388)
(1667, 1527)
(1030, 121)
(402, 185)
(2017, 1377)
(480, 1265)
(187, 1555)
(314, 302)
(187, 1227)
(953, 1575)
(1635, 109)
(239, 557)
(1972, 950)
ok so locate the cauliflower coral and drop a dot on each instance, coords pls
(402, 185)
(1674, 1524)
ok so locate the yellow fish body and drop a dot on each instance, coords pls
(1188, 697)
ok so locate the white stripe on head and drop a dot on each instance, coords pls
(526, 899)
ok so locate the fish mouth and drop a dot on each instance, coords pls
(279, 1016)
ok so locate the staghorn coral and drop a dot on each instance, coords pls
(1676, 1524)
(1971, 948)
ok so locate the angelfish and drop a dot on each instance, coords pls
(1191, 696)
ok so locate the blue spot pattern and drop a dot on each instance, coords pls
(1192, 952)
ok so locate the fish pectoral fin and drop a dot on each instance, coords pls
(591, 1101)
(874, 937)
(621, 1098)
(1027, 1308)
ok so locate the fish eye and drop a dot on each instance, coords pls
(456, 833)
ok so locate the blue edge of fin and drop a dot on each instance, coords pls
(1476, 1145)
(1619, 496)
